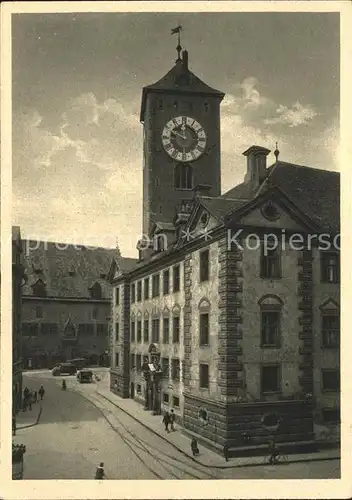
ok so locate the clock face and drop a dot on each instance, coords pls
(184, 139)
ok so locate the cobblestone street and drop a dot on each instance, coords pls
(79, 428)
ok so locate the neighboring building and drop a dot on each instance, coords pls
(224, 329)
(18, 279)
(66, 303)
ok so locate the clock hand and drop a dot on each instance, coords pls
(179, 135)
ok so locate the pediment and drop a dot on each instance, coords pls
(115, 271)
(273, 210)
(330, 306)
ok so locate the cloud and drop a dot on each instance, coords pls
(294, 116)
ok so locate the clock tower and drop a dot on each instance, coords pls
(181, 146)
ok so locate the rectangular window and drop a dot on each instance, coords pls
(331, 380)
(270, 331)
(175, 369)
(176, 278)
(139, 291)
(166, 282)
(102, 329)
(175, 401)
(204, 265)
(146, 331)
(117, 295)
(133, 331)
(155, 330)
(116, 359)
(270, 379)
(139, 389)
(138, 363)
(204, 376)
(133, 293)
(165, 398)
(165, 367)
(270, 262)
(155, 285)
(204, 329)
(133, 361)
(176, 330)
(146, 289)
(86, 329)
(330, 267)
(117, 331)
(139, 331)
(166, 329)
(49, 329)
(38, 312)
(95, 313)
(331, 330)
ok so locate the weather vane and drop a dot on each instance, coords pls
(178, 30)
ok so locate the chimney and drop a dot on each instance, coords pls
(185, 59)
(256, 165)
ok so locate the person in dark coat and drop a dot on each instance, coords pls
(172, 420)
(194, 447)
(41, 392)
(14, 425)
(99, 473)
(35, 397)
(166, 421)
(226, 452)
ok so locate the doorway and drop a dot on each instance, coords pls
(132, 390)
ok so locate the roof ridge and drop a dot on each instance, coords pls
(284, 163)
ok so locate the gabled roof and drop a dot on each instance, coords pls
(275, 194)
(56, 262)
(122, 265)
(315, 191)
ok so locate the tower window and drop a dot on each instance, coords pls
(206, 107)
(183, 176)
(160, 104)
(175, 104)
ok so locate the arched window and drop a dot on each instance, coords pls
(183, 176)
(270, 312)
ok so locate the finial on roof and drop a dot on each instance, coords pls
(118, 251)
(276, 153)
(178, 30)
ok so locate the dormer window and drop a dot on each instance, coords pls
(71, 272)
(102, 276)
(39, 289)
(96, 292)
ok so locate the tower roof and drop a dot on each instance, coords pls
(179, 80)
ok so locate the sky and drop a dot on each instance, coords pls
(76, 94)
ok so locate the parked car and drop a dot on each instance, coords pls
(84, 375)
(64, 369)
(78, 362)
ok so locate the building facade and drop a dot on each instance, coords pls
(65, 303)
(18, 279)
(231, 315)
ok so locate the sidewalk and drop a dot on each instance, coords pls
(181, 443)
(29, 418)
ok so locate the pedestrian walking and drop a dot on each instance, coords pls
(14, 425)
(172, 420)
(99, 473)
(226, 452)
(194, 447)
(41, 392)
(166, 421)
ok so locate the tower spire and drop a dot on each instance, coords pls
(178, 30)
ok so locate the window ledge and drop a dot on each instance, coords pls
(330, 347)
(270, 346)
(336, 391)
(272, 393)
